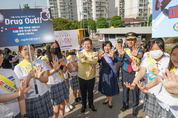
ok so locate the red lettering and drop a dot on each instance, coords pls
(13, 28)
(177, 11)
(1, 83)
(172, 12)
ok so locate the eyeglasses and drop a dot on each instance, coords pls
(130, 39)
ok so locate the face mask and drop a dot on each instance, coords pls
(71, 53)
(54, 50)
(156, 54)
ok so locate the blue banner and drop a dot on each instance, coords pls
(25, 26)
(165, 18)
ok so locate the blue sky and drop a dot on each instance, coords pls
(14, 4)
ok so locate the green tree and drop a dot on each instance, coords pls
(150, 21)
(84, 23)
(92, 24)
(62, 24)
(26, 6)
(101, 23)
(75, 24)
(116, 21)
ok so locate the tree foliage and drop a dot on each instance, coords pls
(62, 24)
(101, 23)
(84, 23)
(76, 24)
(26, 6)
(92, 24)
(116, 21)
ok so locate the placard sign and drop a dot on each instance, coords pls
(165, 18)
(67, 39)
(25, 26)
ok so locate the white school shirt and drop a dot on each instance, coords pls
(10, 108)
(73, 67)
(22, 74)
(171, 100)
(54, 78)
(162, 65)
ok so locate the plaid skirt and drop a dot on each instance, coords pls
(162, 113)
(151, 106)
(39, 107)
(58, 92)
(74, 82)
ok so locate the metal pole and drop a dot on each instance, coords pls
(34, 79)
(148, 16)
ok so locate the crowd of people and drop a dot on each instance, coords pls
(146, 67)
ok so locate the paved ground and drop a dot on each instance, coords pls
(103, 111)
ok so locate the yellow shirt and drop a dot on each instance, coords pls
(85, 70)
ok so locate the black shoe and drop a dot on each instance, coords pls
(79, 99)
(134, 112)
(76, 100)
(83, 109)
(124, 108)
(92, 108)
(110, 106)
(105, 102)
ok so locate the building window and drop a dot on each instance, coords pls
(112, 36)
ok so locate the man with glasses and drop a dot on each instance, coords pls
(87, 60)
(127, 55)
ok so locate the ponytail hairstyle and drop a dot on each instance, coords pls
(170, 62)
(48, 52)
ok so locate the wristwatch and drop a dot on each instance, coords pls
(24, 116)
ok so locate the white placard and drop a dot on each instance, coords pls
(67, 39)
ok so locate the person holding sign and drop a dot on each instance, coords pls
(86, 73)
(156, 60)
(37, 105)
(127, 55)
(56, 83)
(12, 102)
(108, 84)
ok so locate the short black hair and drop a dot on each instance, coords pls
(105, 43)
(39, 51)
(159, 42)
(87, 39)
(6, 50)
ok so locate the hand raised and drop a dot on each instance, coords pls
(142, 88)
(134, 66)
(171, 82)
(23, 87)
(135, 51)
(130, 86)
(56, 64)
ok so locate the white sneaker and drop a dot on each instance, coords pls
(147, 117)
(67, 109)
(141, 101)
(69, 105)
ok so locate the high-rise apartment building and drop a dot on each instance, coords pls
(138, 8)
(78, 9)
(93, 9)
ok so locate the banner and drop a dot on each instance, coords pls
(165, 18)
(67, 39)
(25, 26)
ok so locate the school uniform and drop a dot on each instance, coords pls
(11, 108)
(152, 104)
(37, 105)
(57, 87)
(74, 82)
(128, 76)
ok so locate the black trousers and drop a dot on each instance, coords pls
(86, 86)
(129, 78)
(118, 67)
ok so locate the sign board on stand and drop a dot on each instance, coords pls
(67, 39)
